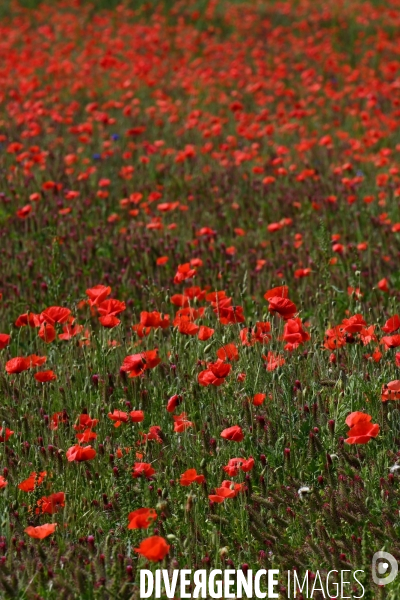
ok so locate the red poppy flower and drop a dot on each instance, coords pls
(236, 464)
(260, 333)
(294, 334)
(391, 391)
(47, 333)
(392, 324)
(354, 324)
(136, 364)
(190, 476)
(234, 433)
(85, 422)
(153, 435)
(154, 319)
(283, 306)
(119, 417)
(383, 285)
(154, 548)
(228, 352)
(184, 272)
(4, 340)
(50, 504)
(205, 333)
(30, 319)
(137, 416)
(281, 291)
(273, 361)
(79, 454)
(3, 482)
(141, 518)
(258, 399)
(34, 479)
(55, 314)
(42, 531)
(142, 469)
(98, 294)
(173, 402)
(181, 423)
(56, 419)
(214, 374)
(361, 429)
(44, 376)
(9, 433)
(17, 365)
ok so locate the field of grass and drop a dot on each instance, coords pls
(200, 224)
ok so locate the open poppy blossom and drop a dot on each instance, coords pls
(391, 391)
(154, 548)
(234, 434)
(142, 470)
(45, 376)
(34, 480)
(42, 531)
(4, 340)
(362, 430)
(50, 504)
(190, 476)
(80, 454)
(3, 482)
(141, 518)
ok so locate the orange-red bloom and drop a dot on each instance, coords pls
(234, 433)
(361, 429)
(154, 548)
(42, 531)
(141, 518)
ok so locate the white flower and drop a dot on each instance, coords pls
(395, 469)
(303, 491)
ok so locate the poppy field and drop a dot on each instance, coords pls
(199, 291)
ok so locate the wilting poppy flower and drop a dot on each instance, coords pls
(361, 429)
(34, 479)
(391, 391)
(79, 454)
(50, 504)
(44, 376)
(141, 518)
(3, 482)
(154, 548)
(234, 433)
(42, 531)
(142, 469)
(190, 476)
(4, 340)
